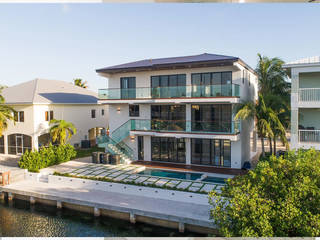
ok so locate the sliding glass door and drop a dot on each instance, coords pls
(215, 152)
(211, 117)
(128, 87)
(165, 149)
(168, 117)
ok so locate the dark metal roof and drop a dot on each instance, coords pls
(163, 62)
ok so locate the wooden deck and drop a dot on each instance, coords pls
(190, 168)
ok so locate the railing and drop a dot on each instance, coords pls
(124, 148)
(194, 91)
(231, 127)
(309, 136)
(309, 94)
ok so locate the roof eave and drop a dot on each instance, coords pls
(168, 66)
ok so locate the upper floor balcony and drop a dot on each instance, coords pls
(310, 97)
(181, 128)
(164, 94)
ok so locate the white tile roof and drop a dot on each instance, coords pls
(45, 91)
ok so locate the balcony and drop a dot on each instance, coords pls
(182, 92)
(309, 136)
(232, 127)
(309, 97)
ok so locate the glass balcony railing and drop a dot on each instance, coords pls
(232, 127)
(194, 91)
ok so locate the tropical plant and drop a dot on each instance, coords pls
(266, 119)
(61, 131)
(276, 93)
(6, 114)
(78, 82)
(279, 198)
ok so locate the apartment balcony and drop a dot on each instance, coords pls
(309, 139)
(309, 97)
(217, 93)
(188, 129)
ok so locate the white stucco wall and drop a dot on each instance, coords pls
(248, 91)
(35, 125)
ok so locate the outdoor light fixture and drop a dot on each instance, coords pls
(118, 109)
(132, 138)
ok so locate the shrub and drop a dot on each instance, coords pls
(279, 198)
(46, 156)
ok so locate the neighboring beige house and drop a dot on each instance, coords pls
(40, 100)
(305, 102)
(180, 110)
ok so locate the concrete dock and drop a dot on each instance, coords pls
(167, 213)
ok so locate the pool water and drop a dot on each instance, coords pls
(214, 180)
(171, 174)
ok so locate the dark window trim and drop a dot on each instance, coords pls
(202, 73)
(93, 113)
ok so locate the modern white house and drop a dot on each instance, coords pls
(38, 101)
(179, 110)
(305, 102)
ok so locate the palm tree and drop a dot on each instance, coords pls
(6, 114)
(61, 131)
(266, 119)
(272, 77)
(276, 93)
(78, 82)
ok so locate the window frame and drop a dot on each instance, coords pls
(136, 110)
(93, 113)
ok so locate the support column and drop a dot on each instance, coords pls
(188, 150)
(59, 204)
(10, 197)
(188, 117)
(32, 200)
(132, 218)
(147, 148)
(181, 227)
(96, 212)
(35, 143)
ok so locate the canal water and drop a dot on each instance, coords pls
(19, 219)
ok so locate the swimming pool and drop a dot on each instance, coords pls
(214, 180)
(171, 174)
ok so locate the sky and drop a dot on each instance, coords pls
(67, 41)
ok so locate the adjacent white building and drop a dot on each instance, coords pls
(180, 110)
(40, 100)
(305, 102)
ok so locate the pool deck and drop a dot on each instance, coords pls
(191, 168)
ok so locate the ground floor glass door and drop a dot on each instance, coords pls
(165, 149)
(140, 148)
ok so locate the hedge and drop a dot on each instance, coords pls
(46, 156)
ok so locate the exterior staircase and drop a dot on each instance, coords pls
(115, 144)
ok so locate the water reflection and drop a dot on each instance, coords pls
(21, 220)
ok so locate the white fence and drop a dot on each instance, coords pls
(309, 136)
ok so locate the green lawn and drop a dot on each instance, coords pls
(87, 152)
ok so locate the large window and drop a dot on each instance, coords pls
(211, 84)
(128, 87)
(211, 117)
(168, 86)
(214, 152)
(19, 143)
(168, 117)
(168, 149)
